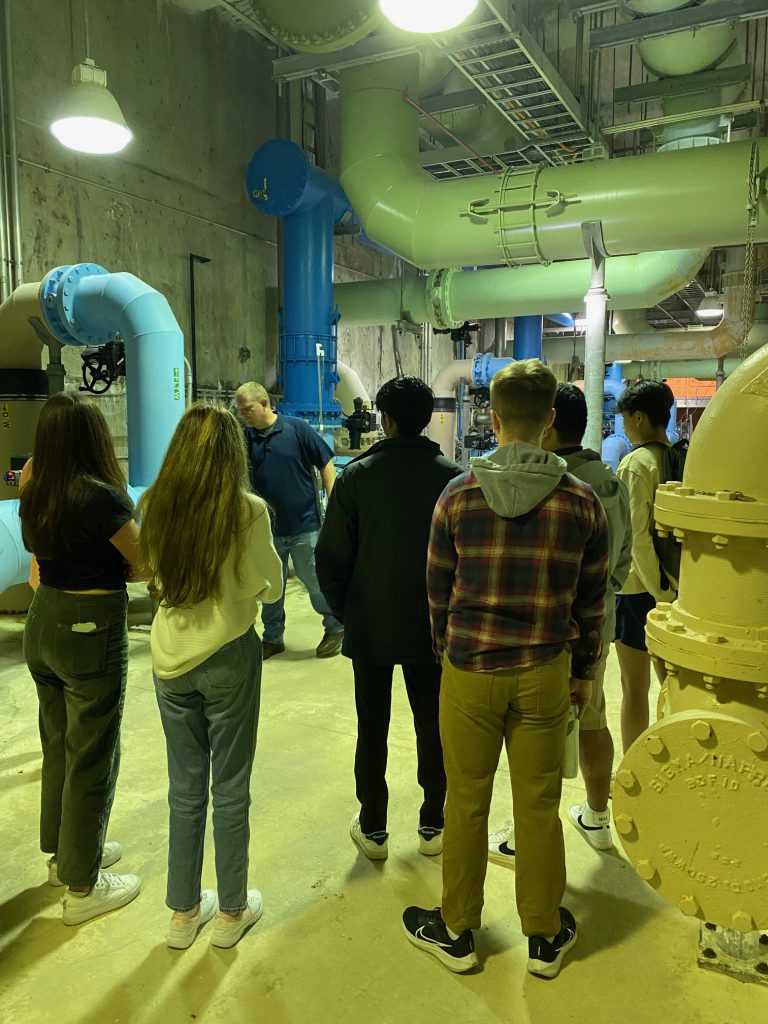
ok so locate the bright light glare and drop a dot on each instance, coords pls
(427, 16)
(580, 323)
(91, 134)
(709, 312)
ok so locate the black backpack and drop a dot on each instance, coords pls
(668, 548)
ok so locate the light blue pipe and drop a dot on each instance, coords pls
(86, 305)
(282, 183)
(562, 319)
(485, 367)
(528, 336)
(15, 560)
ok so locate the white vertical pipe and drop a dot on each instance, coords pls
(596, 304)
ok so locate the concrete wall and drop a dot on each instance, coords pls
(198, 94)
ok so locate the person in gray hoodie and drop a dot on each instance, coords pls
(592, 817)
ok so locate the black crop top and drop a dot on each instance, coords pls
(93, 563)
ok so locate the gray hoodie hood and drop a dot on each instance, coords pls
(517, 477)
(587, 465)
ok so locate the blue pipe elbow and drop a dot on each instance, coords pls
(281, 182)
(86, 305)
(485, 367)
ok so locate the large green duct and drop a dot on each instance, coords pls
(693, 198)
(449, 297)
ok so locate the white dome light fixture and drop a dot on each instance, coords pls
(89, 118)
(710, 308)
(427, 16)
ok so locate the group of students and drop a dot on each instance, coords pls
(490, 588)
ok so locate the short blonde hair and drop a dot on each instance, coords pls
(523, 395)
(256, 392)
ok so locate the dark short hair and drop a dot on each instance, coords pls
(408, 401)
(653, 397)
(570, 413)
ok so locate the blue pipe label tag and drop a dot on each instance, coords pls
(176, 384)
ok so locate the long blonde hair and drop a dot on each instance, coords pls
(197, 509)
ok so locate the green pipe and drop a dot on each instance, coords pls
(699, 369)
(691, 198)
(449, 298)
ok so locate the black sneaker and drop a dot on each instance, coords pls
(426, 929)
(545, 958)
(269, 650)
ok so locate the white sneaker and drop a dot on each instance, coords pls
(110, 855)
(109, 893)
(430, 841)
(595, 826)
(501, 845)
(227, 933)
(374, 846)
(183, 930)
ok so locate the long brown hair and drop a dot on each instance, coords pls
(197, 508)
(73, 455)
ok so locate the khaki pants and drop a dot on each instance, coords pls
(528, 710)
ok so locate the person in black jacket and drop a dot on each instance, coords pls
(371, 563)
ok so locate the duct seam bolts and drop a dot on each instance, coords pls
(758, 742)
(655, 745)
(689, 906)
(625, 824)
(701, 730)
(626, 778)
(719, 541)
(645, 870)
(742, 921)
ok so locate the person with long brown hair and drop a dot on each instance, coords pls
(77, 520)
(208, 552)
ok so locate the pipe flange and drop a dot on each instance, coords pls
(685, 795)
(57, 304)
(438, 299)
(672, 636)
(725, 513)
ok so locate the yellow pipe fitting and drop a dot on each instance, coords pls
(697, 780)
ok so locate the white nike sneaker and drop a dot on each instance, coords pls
(183, 929)
(501, 845)
(595, 826)
(109, 893)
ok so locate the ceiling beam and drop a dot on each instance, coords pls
(719, 13)
(451, 101)
(684, 85)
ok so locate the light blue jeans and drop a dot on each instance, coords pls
(210, 716)
(301, 548)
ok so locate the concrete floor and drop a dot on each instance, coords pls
(330, 946)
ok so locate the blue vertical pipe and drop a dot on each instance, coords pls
(282, 183)
(529, 332)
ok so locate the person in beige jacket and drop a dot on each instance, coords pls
(209, 556)
(646, 408)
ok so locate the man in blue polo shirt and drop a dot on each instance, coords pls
(282, 451)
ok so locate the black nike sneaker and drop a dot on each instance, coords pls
(545, 958)
(501, 845)
(426, 929)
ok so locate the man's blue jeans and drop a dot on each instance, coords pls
(301, 548)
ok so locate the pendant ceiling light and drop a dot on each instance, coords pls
(427, 16)
(89, 118)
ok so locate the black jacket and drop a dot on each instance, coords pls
(371, 558)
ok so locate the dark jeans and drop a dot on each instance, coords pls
(373, 697)
(210, 716)
(76, 647)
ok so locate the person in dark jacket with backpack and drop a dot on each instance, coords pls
(646, 407)
(371, 561)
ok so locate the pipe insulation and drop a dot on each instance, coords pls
(446, 298)
(697, 197)
(349, 388)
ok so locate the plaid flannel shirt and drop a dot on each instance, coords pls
(506, 593)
